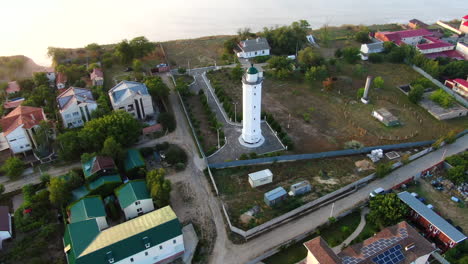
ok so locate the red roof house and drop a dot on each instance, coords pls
(13, 87)
(13, 103)
(26, 116)
(61, 80)
(410, 37)
(97, 77)
(459, 86)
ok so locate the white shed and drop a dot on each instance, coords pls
(260, 178)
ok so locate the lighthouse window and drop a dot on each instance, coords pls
(255, 94)
(254, 130)
(255, 106)
(254, 118)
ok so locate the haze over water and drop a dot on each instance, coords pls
(30, 26)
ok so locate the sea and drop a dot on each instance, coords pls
(35, 25)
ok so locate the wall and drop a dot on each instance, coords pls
(147, 105)
(131, 210)
(155, 254)
(252, 54)
(20, 140)
(429, 51)
(102, 222)
(77, 120)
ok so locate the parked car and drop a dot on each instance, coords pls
(377, 192)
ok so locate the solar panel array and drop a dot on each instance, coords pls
(393, 255)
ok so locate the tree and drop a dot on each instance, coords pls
(13, 167)
(175, 154)
(124, 51)
(181, 70)
(287, 39)
(182, 87)
(416, 93)
(230, 45)
(237, 72)
(160, 188)
(94, 49)
(137, 65)
(387, 209)
(378, 82)
(360, 93)
(388, 46)
(396, 55)
(383, 169)
(113, 149)
(141, 47)
(167, 120)
(40, 78)
(45, 179)
(351, 54)
(245, 33)
(457, 175)
(58, 192)
(70, 145)
(376, 58)
(316, 73)
(308, 57)
(362, 36)
(43, 96)
(156, 87)
(338, 53)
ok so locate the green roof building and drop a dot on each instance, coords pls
(133, 160)
(134, 198)
(88, 208)
(151, 238)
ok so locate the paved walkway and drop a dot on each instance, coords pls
(356, 232)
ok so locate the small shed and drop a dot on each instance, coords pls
(300, 188)
(260, 178)
(384, 116)
(275, 196)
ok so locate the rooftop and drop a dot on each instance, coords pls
(249, 45)
(74, 95)
(275, 193)
(127, 89)
(131, 192)
(27, 116)
(13, 103)
(432, 217)
(97, 73)
(13, 87)
(133, 160)
(322, 252)
(87, 208)
(103, 180)
(434, 45)
(260, 174)
(96, 164)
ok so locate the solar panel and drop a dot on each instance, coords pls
(390, 256)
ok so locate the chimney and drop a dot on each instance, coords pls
(365, 96)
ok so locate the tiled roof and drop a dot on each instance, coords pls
(254, 44)
(465, 17)
(96, 164)
(4, 219)
(437, 221)
(434, 45)
(152, 129)
(104, 180)
(74, 95)
(27, 116)
(87, 208)
(97, 72)
(461, 82)
(447, 53)
(61, 78)
(13, 103)
(131, 192)
(321, 251)
(13, 87)
(127, 89)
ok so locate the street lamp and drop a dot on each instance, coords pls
(235, 112)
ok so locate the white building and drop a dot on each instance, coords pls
(6, 231)
(260, 178)
(434, 45)
(367, 49)
(97, 77)
(155, 237)
(459, 86)
(134, 199)
(252, 108)
(75, 106)
(132, 97)
(19, 127)
(253, 48)
(462, 48)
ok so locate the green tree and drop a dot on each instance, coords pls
(376, 58)
(141, 47)
(137, 65)
(388, 46)
(316, 73)
(416, 93)
(45, 179)
(40, 78)
(113, 149)
(387, 209)
(13, 167)
(230, 45)
(70, 146)
(94, 49)
(383, 169)
(277, 63)
(167, 120)
(362, 36)
(308, 57)
(58, 192)
(43, 96)
(351, 54)
(156, 87)
(182, 87)
(160, 188)
(124, 51)
(457, 175)
(378, 82)
(442, 98)
(181, 70)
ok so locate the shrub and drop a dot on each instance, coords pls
(383, 169)
(175, 155)
(416, 93)
(376, 58)
(442, 98)
(244, 156)
(353, 144)
(162, 146)
(167, 120)
(146, 152)
(180, 166)
(360, 93)
(181, 70)
(13, 167)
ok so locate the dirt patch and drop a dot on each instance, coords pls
(328, 181)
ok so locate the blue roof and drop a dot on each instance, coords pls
(275, 193)
(127, 88)
(437, 221)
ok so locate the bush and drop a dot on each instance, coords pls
(13, 167)
(416, 93)
(175, 155)
(383, 169)
(162, 146)
(167, 120)
(362, 37)
(360, 93)
(180, 166)
(353, 144)
(376, 58)
(181, 70)
(146, 152)
(442, 98)
(261, 59)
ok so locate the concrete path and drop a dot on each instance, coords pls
(356, 232)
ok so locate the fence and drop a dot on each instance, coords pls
(330, 154)
(440, 85)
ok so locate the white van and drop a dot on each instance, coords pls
(377, 192)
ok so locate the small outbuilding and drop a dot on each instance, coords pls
(384, 116)
(260, 178)
(275, 196)
(6, 231)
(300, 188)
(134, 199)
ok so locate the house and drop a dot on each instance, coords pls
(134, 199)
(275, 196)
(462, 48)
(155, 237)
(250, 48)
(411, 37)
(367, 49)
(384, 116)
(6, 231)
(13, 103)
(90, 207)
(61, 80)
(260, 178)
(400, 243)
(460, 86)
(19, 127)
(13, 87)
(100, 171)
(434, 45)
(433, 224)
(300, 188)
(132, 97)
(97, 77)
(464, 25)
(133, 160)
(75, 106)
(415, 24)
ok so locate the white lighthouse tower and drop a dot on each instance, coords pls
(252, 108)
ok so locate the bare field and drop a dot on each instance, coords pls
(324, 120)
(325, 176)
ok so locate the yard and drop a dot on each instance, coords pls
(325, 176)
(194, 53)
(321, 120)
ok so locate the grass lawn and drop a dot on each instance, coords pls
(297, 252)
(324, 120)
(196, 52)
(239, 196)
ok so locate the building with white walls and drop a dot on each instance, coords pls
(252, 108)
(250, 48)
(75, 106)
(134, 199)
(19, 127)
(132, 97)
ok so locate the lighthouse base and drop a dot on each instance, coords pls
(252, 145)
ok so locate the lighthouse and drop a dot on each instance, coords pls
(252, 108)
